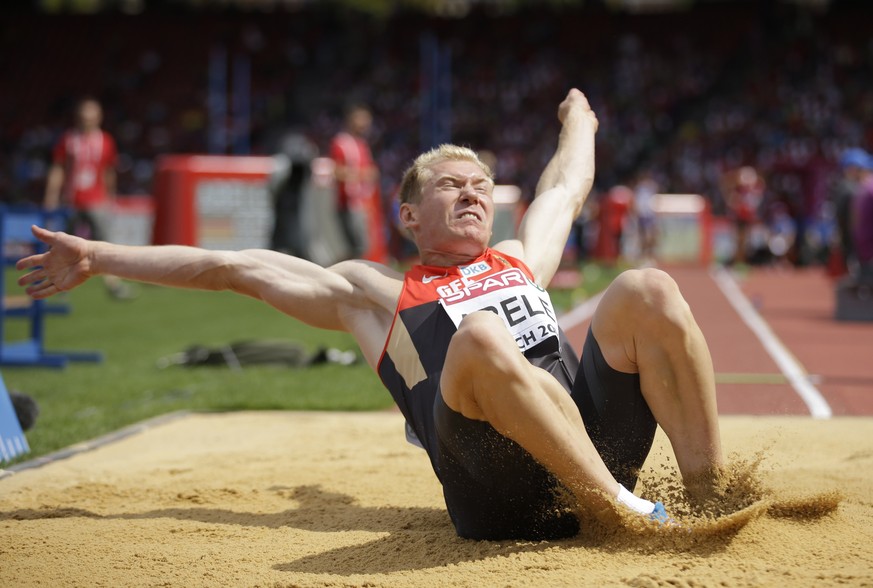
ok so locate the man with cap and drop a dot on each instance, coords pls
(862, 221)
(856, 165)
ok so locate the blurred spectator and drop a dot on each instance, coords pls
(862, 221)
(853, 166)
(780, 216)
(82, 177)
(611, 216)
(357, 180)
(288, 185)
(743, 190)
(583, 237)
(645, 189)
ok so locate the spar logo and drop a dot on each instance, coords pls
(464, 289)
(524, 307)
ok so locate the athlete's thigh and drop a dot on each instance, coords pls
(616, 416)
(482, 357)
(493, 488)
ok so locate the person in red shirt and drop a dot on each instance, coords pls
(744, 192)
(357, 180)
(82, 177)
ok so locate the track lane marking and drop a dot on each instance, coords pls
(794, 372)
(581, 313)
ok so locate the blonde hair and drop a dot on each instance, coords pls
(420, 171)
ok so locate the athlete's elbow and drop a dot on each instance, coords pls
(224, 271)
(580, 183)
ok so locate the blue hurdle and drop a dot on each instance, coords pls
(17, 240)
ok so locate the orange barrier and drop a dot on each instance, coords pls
(223, 202)
(212, 201)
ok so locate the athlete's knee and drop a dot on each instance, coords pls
(483, 348)
(650, 297)
(482, 334)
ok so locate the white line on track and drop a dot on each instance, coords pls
(794, 372)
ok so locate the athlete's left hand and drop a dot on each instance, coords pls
(63, 267)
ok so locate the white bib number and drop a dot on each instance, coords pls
(525, 308)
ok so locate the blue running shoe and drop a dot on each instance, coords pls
(660, 515)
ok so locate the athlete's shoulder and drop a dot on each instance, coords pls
(511, 248)
(362, 270)
(511, 252)
(374, 281)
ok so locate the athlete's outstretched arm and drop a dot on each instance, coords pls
(562, 189)
(301, 289)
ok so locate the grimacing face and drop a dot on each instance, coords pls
(455, 211)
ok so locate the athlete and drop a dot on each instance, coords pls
(468, 345)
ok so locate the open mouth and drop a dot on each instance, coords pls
(470, 214)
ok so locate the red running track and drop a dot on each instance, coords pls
(834, 359)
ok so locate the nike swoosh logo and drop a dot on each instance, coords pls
(429, 279)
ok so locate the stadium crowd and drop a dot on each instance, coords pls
(689, 95)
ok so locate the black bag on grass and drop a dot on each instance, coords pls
(266, 352)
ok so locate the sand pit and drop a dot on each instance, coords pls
(337, 499)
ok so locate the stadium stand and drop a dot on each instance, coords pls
(689, 94)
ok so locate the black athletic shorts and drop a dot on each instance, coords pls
(495, 490)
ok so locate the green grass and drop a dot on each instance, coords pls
(86, 400)
(593, 278)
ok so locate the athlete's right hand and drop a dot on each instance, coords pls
(577, 101)
(64, 266)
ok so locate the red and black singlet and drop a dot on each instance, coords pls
(433, 302)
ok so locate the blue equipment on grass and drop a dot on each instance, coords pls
(17, 241)
(12, 440)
